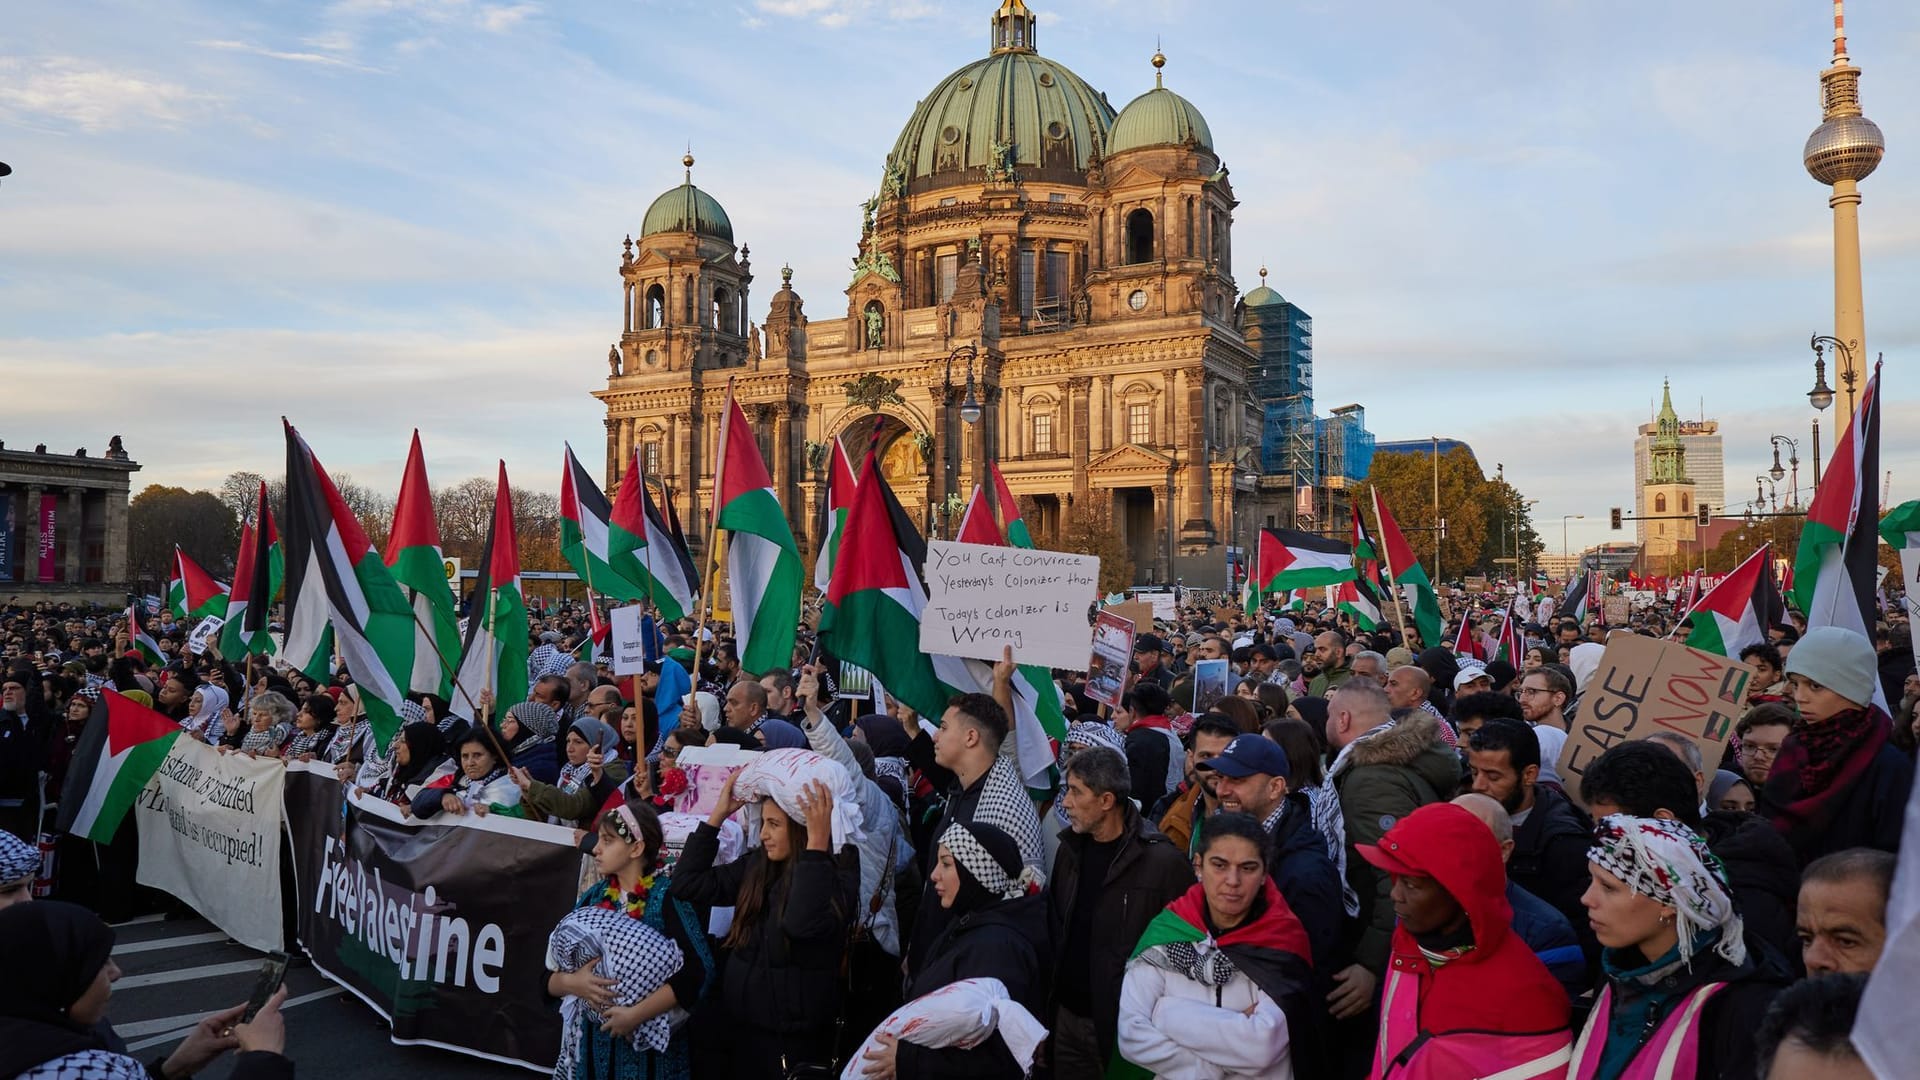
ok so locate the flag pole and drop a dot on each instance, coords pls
(1393, 576)
(713, 530)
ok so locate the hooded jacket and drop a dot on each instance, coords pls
(1006, 941)
(1146, 874)
(1434, 1017)
(1382, 777)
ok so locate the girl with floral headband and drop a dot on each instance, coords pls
(1682, 997)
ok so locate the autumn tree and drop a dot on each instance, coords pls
(198, 521)
(1406, 485)
(1087, 530)
(1506, 512)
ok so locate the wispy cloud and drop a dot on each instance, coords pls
(71, 92)
(320, 59)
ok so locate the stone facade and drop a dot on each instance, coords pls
(1081, 297)
(89, 537)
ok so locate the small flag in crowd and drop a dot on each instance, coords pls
(1006, 510)
(840, 485)
(1408, 574)
(764, 573)
(193, 593)
(140, 639)
(494, 656)
(1836, 568)
(120, 749)
(259, 568)
(1738, 611)
(647, 546)
(415, 557)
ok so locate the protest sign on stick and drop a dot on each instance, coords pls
(1112, 653)
(1645, 685)
(982, 599)
(626, 641)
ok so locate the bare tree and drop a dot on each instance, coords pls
(199, 521)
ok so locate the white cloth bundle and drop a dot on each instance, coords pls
(637, 957)
(961, 1014)
(783, 775)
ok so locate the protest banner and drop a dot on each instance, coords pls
(205, 631)
(439, 926)
(626, 641)
(1165, 605)
(209, 827)
(1137, 612)
(1209, 683)
(1645, 685)
(1112, 653)
(1618, 610)
(981, 599)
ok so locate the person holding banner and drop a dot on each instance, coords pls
(596, 1043)
(481, 785)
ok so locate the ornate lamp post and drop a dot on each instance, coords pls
(970, 413)
(1793, 459)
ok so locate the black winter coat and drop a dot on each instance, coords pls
(786, 977)
(1005, 941)
(1550, 860)
(1148, 872)
(1870, 814)
(1762, 873)
(1308, 880)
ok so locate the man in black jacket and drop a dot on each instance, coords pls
(1114, 872)
(1550, 835)
(24, 731)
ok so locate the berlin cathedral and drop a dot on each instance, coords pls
(1040, 280)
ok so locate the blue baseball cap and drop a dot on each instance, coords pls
(1249, 754)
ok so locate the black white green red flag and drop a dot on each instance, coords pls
(1739, 610)
(1287, 559)
(119, 750)
(764, 573)
(494, 656)
(1409, 576)
(840, 485)
(258, 571)
(591, 540)
(337, 581)
(193, 593)
(1836, 569)
(140, 638)
(1006, 510)
(415, 558)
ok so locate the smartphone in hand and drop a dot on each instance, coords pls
(272, 974)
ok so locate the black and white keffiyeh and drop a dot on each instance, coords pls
(412, 712)
(1669, 863)
(637, 957)
(986, 869)
(87, 1065)
(19, 860)
(1005, 804)
(1202, 961)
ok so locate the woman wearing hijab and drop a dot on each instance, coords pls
(997, 931)
(19, 865)
(50, 1024)
(205, 708)
(481, 784)
(527, 731)
(782, 736)
(1680, 986)
(312, 728)
(1221, 984)
(793, 904)
(419, 759)
(1442, 667)
(602, 1039)
(582, 784)
(890, 745)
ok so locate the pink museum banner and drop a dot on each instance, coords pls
(47, 568)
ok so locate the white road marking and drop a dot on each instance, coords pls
(204, 971)
(168, 943)
(171, 1028)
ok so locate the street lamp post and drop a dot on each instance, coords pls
(1564, 518)
(1793, 459)
(970, 413)
(1438, 532)
(1821, 398)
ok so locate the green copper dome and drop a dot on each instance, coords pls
(1158, 117)
(1262, 297)
(1043, 117)
(687, 209)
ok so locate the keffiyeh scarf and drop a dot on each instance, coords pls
(19, 860)
(1202, 961)
(574, 777)
(1669, 863)
(264, 742)
(984, 867)
(639, 958)
(206, 725)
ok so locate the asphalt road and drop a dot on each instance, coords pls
(174, 972)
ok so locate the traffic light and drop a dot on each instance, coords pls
(1614, 517)
(1705, 515)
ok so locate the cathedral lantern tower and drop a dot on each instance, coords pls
(1670, 493)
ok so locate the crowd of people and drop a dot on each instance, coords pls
(1362, 862)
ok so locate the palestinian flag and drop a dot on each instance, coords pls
(593, 648)
(258, 570)
(1271, 949)
(834, 510)
(1466, 643)
(494, 656)
(336, 581)
(644, 548)
(1006, 511)
(976, 524)
(764, 573)
(193, 593)
(1354, 598)
(1511, 646)
(1407, 574)
(419, 567)
(1365, 598)
(1297, 560)
(1366, 555)
(140, 639)
(120, 749)
(1573, 605)
(1737, 612)
(590, 536)
(1901, 527)
(1835, 570)
(872, 619)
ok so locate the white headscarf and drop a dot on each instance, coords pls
(206, 722)
(1584, 660)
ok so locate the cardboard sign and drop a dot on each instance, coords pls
(982, 599)
(1165, 605)
(1645, 685)
(1137, 612)
(1617, 611)
(1225, 615)
(626, 642)
(1107, 668)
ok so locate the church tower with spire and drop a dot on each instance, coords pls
(1669, 496)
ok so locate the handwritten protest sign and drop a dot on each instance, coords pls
(1645, 685)
(209, 827)
(1112, 653)
(626, 641)
(982, 599)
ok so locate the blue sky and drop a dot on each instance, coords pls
(1509, 221)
